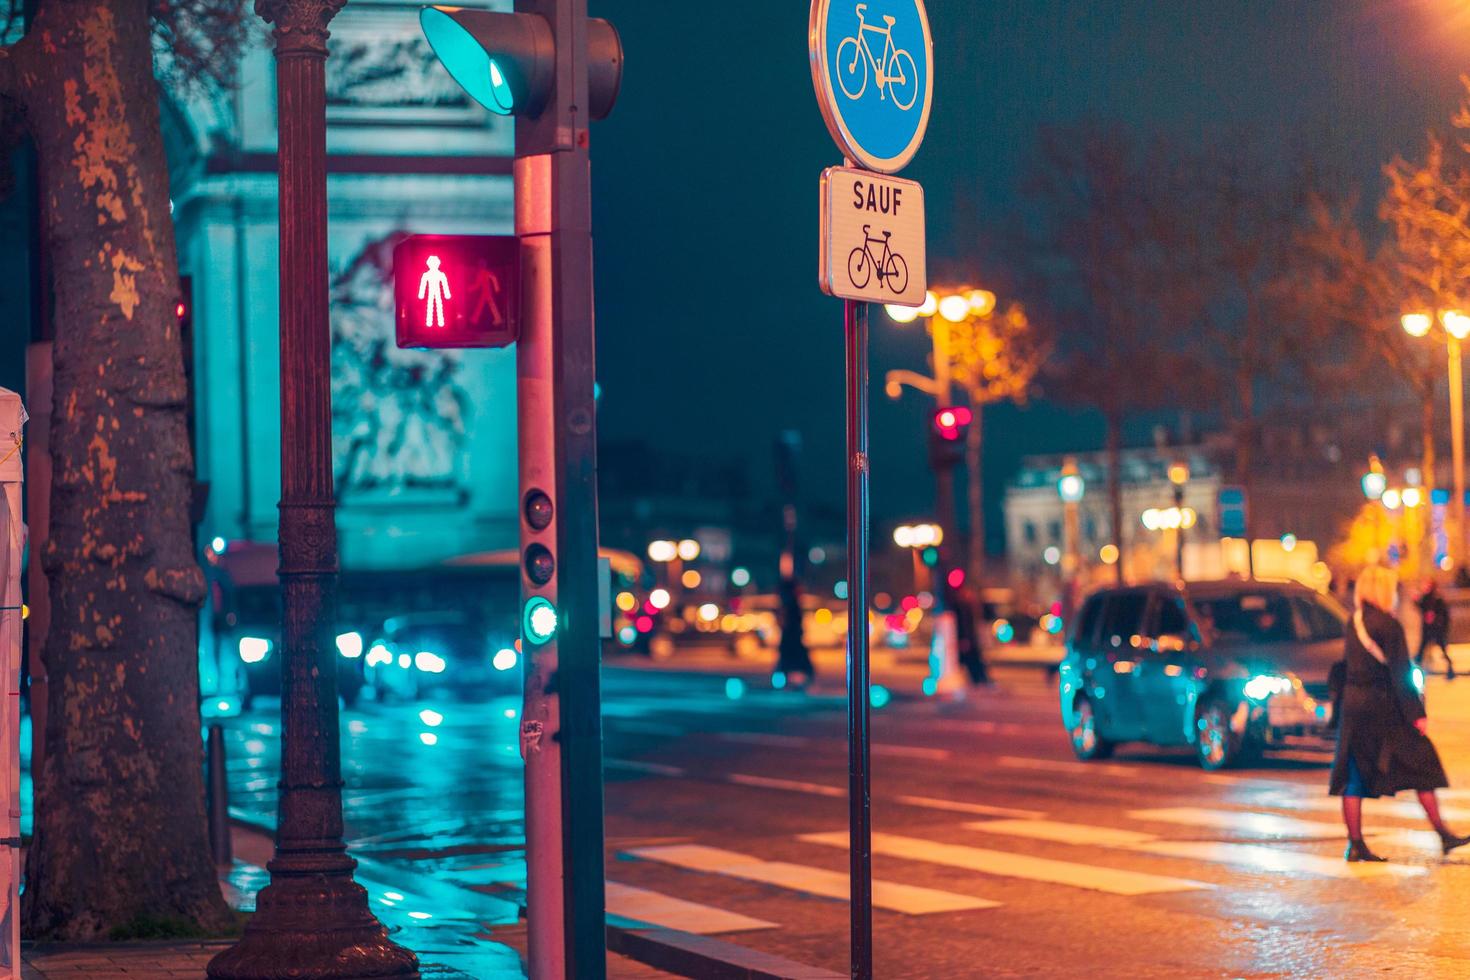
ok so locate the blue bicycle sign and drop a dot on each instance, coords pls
(872, 66)
(894, 71)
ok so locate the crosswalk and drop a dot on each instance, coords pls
(982, 860)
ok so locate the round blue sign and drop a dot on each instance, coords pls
(873, 68)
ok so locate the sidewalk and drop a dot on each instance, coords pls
(497, 957)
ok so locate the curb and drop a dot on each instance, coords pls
(689, 955)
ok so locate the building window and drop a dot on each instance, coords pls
(1054, 530)
(1028, 530)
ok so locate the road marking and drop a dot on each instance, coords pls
(908, 899)
(1260, 824)
(763, 738)
(1075, 768)
(1263, 858)
(1063, 833)
(1004, 864)
(644, 728)
(653, 908)
(909, 751)
(1143, 771)
(979, 809)
(989, 727)
(651, 768)
(797, 741)
(767, 782)
(1315, 800)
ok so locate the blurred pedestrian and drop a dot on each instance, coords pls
(793, 659)
(1434, 614)
(1382, 747)
(968, 648)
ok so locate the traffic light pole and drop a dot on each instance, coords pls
(561, 722)
(859, 798)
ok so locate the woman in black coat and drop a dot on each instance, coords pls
(1381, 745)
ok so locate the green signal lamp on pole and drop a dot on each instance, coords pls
(507, 62)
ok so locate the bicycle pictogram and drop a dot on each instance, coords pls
(894, 71)
(893, 271)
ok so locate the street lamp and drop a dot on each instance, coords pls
(1456, 328)
(1179, 476)
(918, 538)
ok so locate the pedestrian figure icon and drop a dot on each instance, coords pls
(486, 286)
(435, 285)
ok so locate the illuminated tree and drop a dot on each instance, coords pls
(995, 357)
(119, 840)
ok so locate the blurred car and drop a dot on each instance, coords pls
(1230, 668)
(441, 652)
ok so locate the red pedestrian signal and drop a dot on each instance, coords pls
(457, 290)
(950, 422)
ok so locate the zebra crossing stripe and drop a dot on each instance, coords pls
(895, 897)
(1262, 858)
(1006, 865)
(653, 908)
(1246, 822)
(1063, 833)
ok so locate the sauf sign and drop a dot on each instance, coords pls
(872, 67)
(873, 70)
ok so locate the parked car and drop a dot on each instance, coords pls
(1231, 668)
(441, 652)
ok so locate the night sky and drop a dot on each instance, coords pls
(712, 332)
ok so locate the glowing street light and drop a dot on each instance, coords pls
(901, 314)
(1416, 324)
(954, 308)
(663, 550)
(1456, 324)
(688, 549)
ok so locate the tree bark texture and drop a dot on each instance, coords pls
(120, 831)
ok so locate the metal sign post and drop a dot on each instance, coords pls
(859, 802)
(873, 71)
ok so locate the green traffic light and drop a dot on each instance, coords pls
(467, 61)
(539, 620)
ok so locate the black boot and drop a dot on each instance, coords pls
(1449, 841)
(1357, 850)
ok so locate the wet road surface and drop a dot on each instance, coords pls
(996, 853)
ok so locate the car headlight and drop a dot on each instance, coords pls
(429, 662)
(378, 654)
(254, 649)
(504, 659)
(1263, 686)
(350, 644)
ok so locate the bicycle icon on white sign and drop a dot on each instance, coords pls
(895, 72)
(893, 271)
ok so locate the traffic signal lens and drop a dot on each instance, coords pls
(538, 510)
(947, 420)
(540, 566)
(467, 61)
(540, 620)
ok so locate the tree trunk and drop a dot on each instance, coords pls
(1115, 491)
(974, 462)
(120, 839)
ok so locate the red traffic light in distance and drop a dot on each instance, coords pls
(456, 290)
(950, 422)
